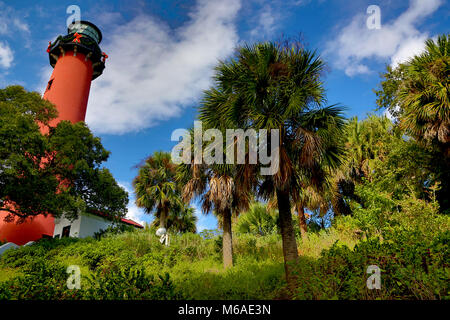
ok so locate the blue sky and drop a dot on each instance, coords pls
(161, 55)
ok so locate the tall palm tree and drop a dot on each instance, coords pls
(269, 86)
(219, 189)
(156, 188)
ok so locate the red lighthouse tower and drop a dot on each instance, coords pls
(77, 60)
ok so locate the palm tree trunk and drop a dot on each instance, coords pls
(163, 218)
(287, 236)
(227, 242)
(302, 221)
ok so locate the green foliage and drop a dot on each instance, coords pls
(33, 165)
(257, 220)
(134, 265)
(411, 268)
(155, 186)
(412, 253)
(112, 230)
(129, 284)
(417, 93)
(41, 280)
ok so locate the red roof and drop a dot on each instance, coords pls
(127, 221)
(132, 223)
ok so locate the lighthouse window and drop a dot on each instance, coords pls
(86, 30)
(49, 84)
(65, 232)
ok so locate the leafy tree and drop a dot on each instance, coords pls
(387, 170)
(270, 86)
(55, 173)
(367, 142)
(418, 92)
(156, 188)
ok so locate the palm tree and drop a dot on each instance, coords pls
(182, 219)
(311, 199)
(259, 219)
(424, 95)
(219, 189)
(156, 188)
(269, 86)
(366, 143)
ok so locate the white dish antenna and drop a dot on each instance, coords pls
(162, 232)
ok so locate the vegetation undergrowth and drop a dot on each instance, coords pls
(332, 265)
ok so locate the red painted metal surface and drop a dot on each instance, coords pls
(30, 230)
(69, 87)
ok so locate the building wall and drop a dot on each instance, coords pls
(85, 226)
(91, 224)
(62, 222)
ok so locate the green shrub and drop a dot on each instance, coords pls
(411, 268)
(129, 284)
(412, 253)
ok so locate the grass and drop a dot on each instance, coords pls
(193, 263)
(331, 265)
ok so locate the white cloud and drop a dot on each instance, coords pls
(134, 213)
(397, 40)
(45, 75)
(265, 26)
(408, 48)
(11, 20)
(11, 24)
(6, 55)
(153, 71)
(22, 26)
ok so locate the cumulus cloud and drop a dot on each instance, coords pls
(397, 40)
(11, 24)
(6, 55)
(153, 72)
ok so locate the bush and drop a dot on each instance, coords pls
(411, 268)
(412, 253)
(129, 284)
